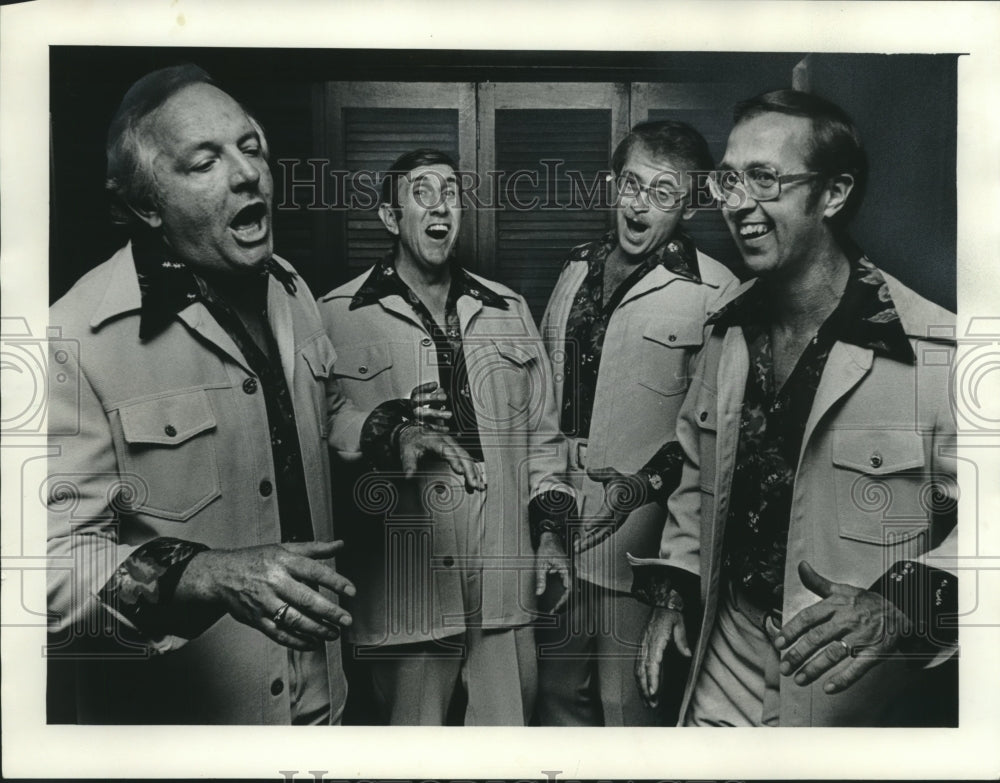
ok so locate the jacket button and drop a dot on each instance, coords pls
(426, 342)
(277, 687)
(448, 561)
(250, 385)
(672, 338)
(266, 488)
(876, 460)
(363, 370)
(703, 416)
(170, 430)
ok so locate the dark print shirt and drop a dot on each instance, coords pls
(588, 318)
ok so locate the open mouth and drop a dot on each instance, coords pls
(437, 231)
(634, 226)
(250, 223)
(755, 230)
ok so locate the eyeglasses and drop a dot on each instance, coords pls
(761, 183)
(661, 193)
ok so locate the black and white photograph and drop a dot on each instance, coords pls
(369, 374)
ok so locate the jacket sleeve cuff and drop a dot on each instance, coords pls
(929, 598)
(548, 512)
(381, 430)
(652, 583)
(142, 587)
(663, 471)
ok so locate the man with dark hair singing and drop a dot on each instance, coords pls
(446, 579)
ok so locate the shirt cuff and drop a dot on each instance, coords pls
(652, 583)
(548, 512)
(143, 585)
(929, 598)
(663, 471)
(381, 430)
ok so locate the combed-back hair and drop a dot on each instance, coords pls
(835, 145)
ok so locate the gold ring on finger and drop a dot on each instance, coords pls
(279, 615)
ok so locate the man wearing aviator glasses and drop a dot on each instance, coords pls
(622, 326)
(817, 494)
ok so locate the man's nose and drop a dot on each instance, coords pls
(245, 171)
(640, 203)
(440, 206)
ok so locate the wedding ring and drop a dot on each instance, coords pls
(279, 615)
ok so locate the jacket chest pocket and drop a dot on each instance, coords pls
(319, 357)
(505, 386)
(665, 352)
(364, 372)
(884, 495)
(171, 452)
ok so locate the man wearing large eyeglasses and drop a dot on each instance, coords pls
(818, 491)
(623, 323)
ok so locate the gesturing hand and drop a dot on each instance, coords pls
(254, 584)
(622, 495)
(551, 558)
(848, 623)
(429, 401)
(664, 626)
(417, 442)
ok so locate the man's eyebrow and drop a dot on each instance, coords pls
(754, 164)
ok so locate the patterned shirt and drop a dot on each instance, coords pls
(589, 316)
(772, 425)
(773, 420)
(452, 369)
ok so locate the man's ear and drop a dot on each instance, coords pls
(147, 213)
(688, 212)
(838, 191)
(388, 217)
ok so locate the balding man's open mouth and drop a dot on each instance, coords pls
(250, 223)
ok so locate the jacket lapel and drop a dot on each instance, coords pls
(394, 304)
(845, 367)
(657, 278)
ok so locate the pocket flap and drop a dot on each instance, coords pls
(878, 452)
(363, 362)
(518, 353)
(675, 333)
(167, 421)
(320, 356)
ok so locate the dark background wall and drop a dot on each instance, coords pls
(905, 106)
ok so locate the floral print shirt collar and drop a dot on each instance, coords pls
(866, 315)
(384, 281)
(679, 255)
(167, 286)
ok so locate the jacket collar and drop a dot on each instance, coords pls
(168, 286)
(679, 255)
(866, 315)
(384, 282)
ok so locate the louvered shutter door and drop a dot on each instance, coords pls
(373, 139)
(531, 245)
(707, 227)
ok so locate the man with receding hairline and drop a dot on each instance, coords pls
(190, 520)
